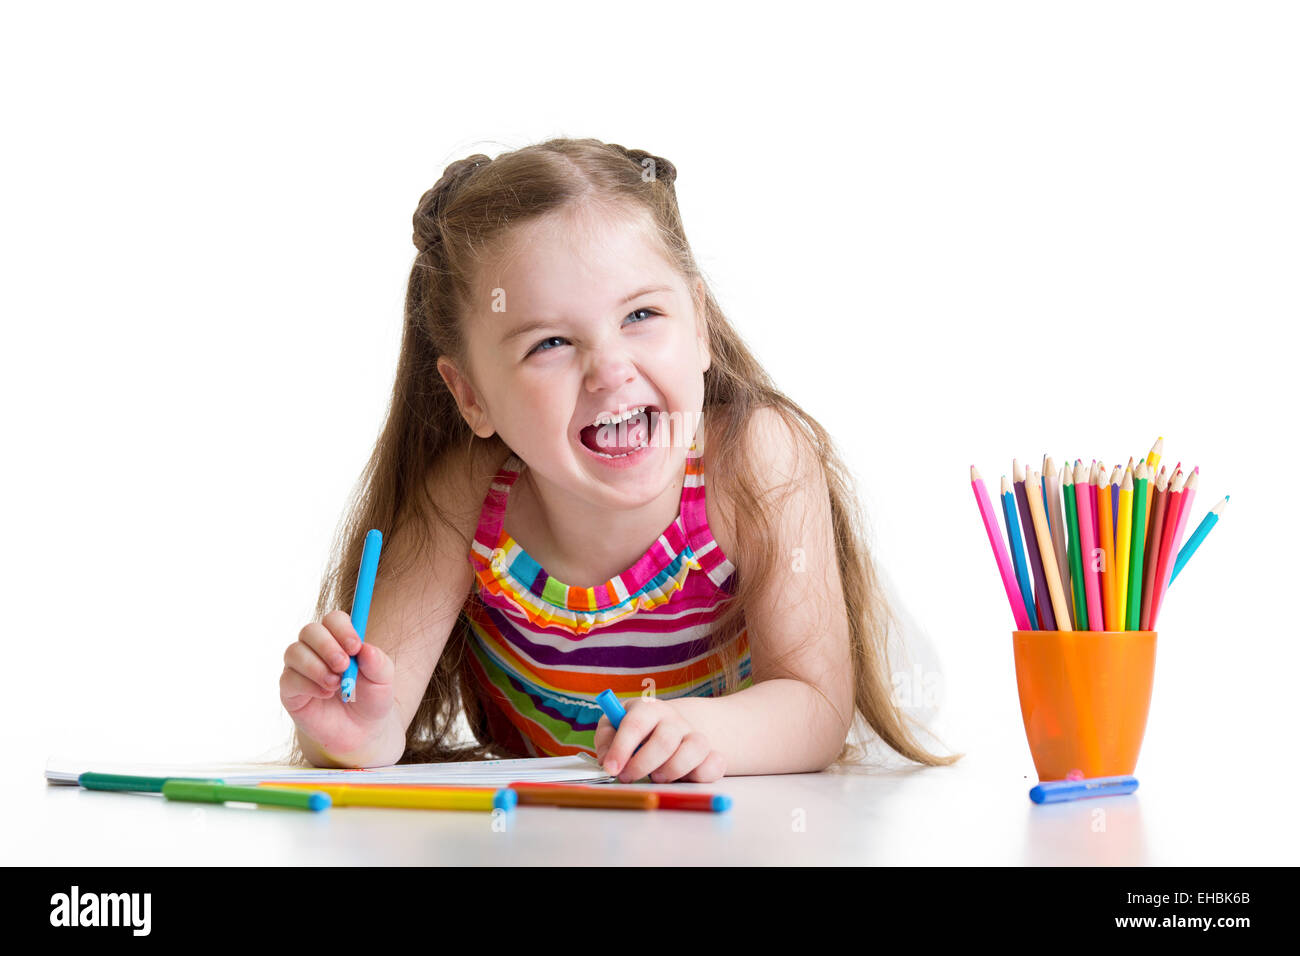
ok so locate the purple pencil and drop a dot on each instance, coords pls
(1046, 620)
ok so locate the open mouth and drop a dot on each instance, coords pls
(621, 438)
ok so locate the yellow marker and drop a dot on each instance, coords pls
(411, 797)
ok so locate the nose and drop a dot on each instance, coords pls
(609, 369)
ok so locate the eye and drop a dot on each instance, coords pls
(559, 338)
(538, 346)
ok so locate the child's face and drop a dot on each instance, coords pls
(592, 351)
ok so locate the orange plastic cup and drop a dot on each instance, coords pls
(1084, 697)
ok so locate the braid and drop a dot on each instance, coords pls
(660, 168)
(428, 213)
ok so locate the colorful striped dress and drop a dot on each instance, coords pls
(540, 651)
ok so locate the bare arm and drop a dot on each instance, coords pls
(799, 710)
(411, 618)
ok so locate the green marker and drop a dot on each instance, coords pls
(206, 792)
(118, 781)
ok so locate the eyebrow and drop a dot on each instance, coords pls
(536, 324)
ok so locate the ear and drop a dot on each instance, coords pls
(702, 327)
(475, 415)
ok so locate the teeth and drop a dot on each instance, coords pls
(615, 419)
(624, 455)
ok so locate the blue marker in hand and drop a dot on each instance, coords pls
(614, 711)
(612, 708)
(361, 607)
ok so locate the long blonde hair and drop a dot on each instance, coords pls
(461, 221)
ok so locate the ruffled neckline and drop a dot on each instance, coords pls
(508, 572)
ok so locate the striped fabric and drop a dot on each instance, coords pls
(541, 651)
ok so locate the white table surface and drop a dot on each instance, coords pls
(976, 812)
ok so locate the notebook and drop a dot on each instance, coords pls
(578, 768)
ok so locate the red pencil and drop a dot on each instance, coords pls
(1155, 531)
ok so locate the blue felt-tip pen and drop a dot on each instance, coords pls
(613, 710)
(1054, 791)
(611, 706)
(361, 606)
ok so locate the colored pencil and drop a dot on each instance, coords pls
(1060, 538)
(1185, 510)
(1204, 528)
(1164, 563)
(1123, 546)
(1076, 562)
(1152, 556)
(1083, 490)
(1134, 610)
(1093, 496)
(1026, 489)
(1018, 610)
(1055, 608)
(1114, 502)
(1018, 553)
(1153, 459)
(1107, 535)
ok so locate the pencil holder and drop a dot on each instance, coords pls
(1084, 697)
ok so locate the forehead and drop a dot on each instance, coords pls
(574, 261)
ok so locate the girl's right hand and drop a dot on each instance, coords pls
(309, 686)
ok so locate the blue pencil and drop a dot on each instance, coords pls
(361, 606)
(1018, 553)
(1205, 527)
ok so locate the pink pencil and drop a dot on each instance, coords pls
(1000, 551)
(1087, 545)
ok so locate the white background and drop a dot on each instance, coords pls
(956, 233)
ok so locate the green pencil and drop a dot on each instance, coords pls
(220, 793)
(1134, 613)
(118, 781)
(1076, 558)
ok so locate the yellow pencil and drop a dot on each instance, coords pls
(1123, 547)
(1106, 528)
(412, 797)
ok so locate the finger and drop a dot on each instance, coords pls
(373, 665)
(604, 737)
(713, 768)
(692, 752)
(339, 624)
(326, 645)
(373, 694)
(296, 691)
(301, 658)
(642, 716)
(659, 746)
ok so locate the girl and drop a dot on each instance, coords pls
(566, 383)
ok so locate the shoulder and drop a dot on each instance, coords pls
(458, 483)
(780, 457)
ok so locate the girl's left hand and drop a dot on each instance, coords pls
(670, 748)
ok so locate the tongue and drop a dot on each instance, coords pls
(617, 439)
